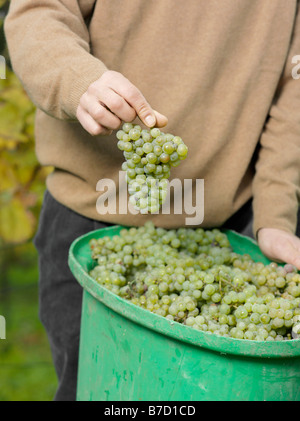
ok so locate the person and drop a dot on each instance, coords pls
(218, 74)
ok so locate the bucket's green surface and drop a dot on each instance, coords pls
(128, 353)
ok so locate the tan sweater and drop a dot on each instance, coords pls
(220, 70)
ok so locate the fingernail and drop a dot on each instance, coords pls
(150, 120)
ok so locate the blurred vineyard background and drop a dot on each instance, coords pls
(26, 369)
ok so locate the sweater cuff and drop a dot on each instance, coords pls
(268, 213)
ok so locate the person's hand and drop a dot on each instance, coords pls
(279, 246)
(111, 100)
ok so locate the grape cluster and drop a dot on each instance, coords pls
(193, 277)
(149, 156)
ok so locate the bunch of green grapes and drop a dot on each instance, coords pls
(149, 156)
(192, 276)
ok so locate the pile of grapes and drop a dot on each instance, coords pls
(193, 277)
(149, 156)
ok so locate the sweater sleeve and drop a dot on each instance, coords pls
(49, 47)
(276, 185)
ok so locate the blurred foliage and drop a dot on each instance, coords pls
(26, 367)
(22, 179)
(27, 371)
(4, 4)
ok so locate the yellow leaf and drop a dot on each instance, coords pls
(8, 144)
(16, 223)
(16, 96)
(11, 125)
(22, 162)
(7, 178)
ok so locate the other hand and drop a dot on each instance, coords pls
(280, 246)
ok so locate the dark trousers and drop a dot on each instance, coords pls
(60, 295)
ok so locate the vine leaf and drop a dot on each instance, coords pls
(22, 180)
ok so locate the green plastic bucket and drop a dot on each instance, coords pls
(130, 354)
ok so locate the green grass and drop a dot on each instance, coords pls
(26, 369)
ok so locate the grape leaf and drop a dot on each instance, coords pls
(16, 222)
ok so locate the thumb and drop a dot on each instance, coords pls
(161, 120)
(152, 118)
(147, 115)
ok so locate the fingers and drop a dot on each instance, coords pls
(285, 253)
(290, 255)
(116, 104)
(100, 112)
(89, 124)
(280, 246)
(111, 100)
(135, 99)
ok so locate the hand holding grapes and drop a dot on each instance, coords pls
(111, 100)
(280, 245)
